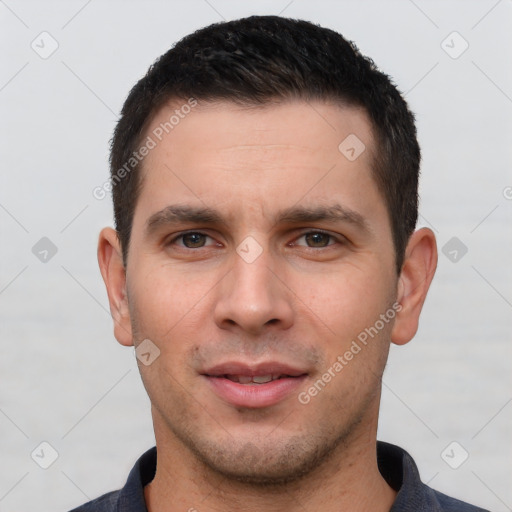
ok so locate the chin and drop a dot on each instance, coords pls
(264, 463)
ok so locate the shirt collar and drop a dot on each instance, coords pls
(395, 465)
(131, 496)
(399, 470)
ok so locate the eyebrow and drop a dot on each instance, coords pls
(176, 214)
(326, 213)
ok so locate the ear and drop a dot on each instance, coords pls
(112, 269)
(417, 272)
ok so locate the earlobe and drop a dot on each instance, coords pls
(112, 269)
(413, 283)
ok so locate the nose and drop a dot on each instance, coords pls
(253, 297)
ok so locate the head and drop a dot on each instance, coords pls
(265, 179)
(265, 60)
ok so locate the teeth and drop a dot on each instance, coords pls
(261, 379)
(256, 379)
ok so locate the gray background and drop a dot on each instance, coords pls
(64, 378)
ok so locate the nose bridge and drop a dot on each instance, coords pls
(251, 297)
(253, 278)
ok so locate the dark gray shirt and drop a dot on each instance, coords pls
(396, 466)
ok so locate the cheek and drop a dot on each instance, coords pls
(163, 309)
(347, 307)
(168, 308)
(166, 299)
(345, 301)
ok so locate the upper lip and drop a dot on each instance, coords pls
(253, 370)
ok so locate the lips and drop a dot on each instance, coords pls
(272, 368)
(254, 386)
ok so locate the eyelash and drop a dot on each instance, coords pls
(312, 232)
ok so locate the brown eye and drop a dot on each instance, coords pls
(193, 240)
(317, 239)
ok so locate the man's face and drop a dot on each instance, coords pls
(273, 286)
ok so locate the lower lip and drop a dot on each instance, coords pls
(254, 395)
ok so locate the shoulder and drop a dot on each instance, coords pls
(449, 504)
(105, 503)
(400, 471)
(131, 496)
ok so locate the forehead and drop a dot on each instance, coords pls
(258, 159)
(305, 126)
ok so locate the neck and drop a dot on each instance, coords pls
(348, 480)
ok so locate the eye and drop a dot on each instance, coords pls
(191, 240)
(317, 239)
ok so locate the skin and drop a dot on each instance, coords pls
(302, 301)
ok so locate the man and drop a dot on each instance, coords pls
(264, 176)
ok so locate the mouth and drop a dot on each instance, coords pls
(254, 387)
(255, 379)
